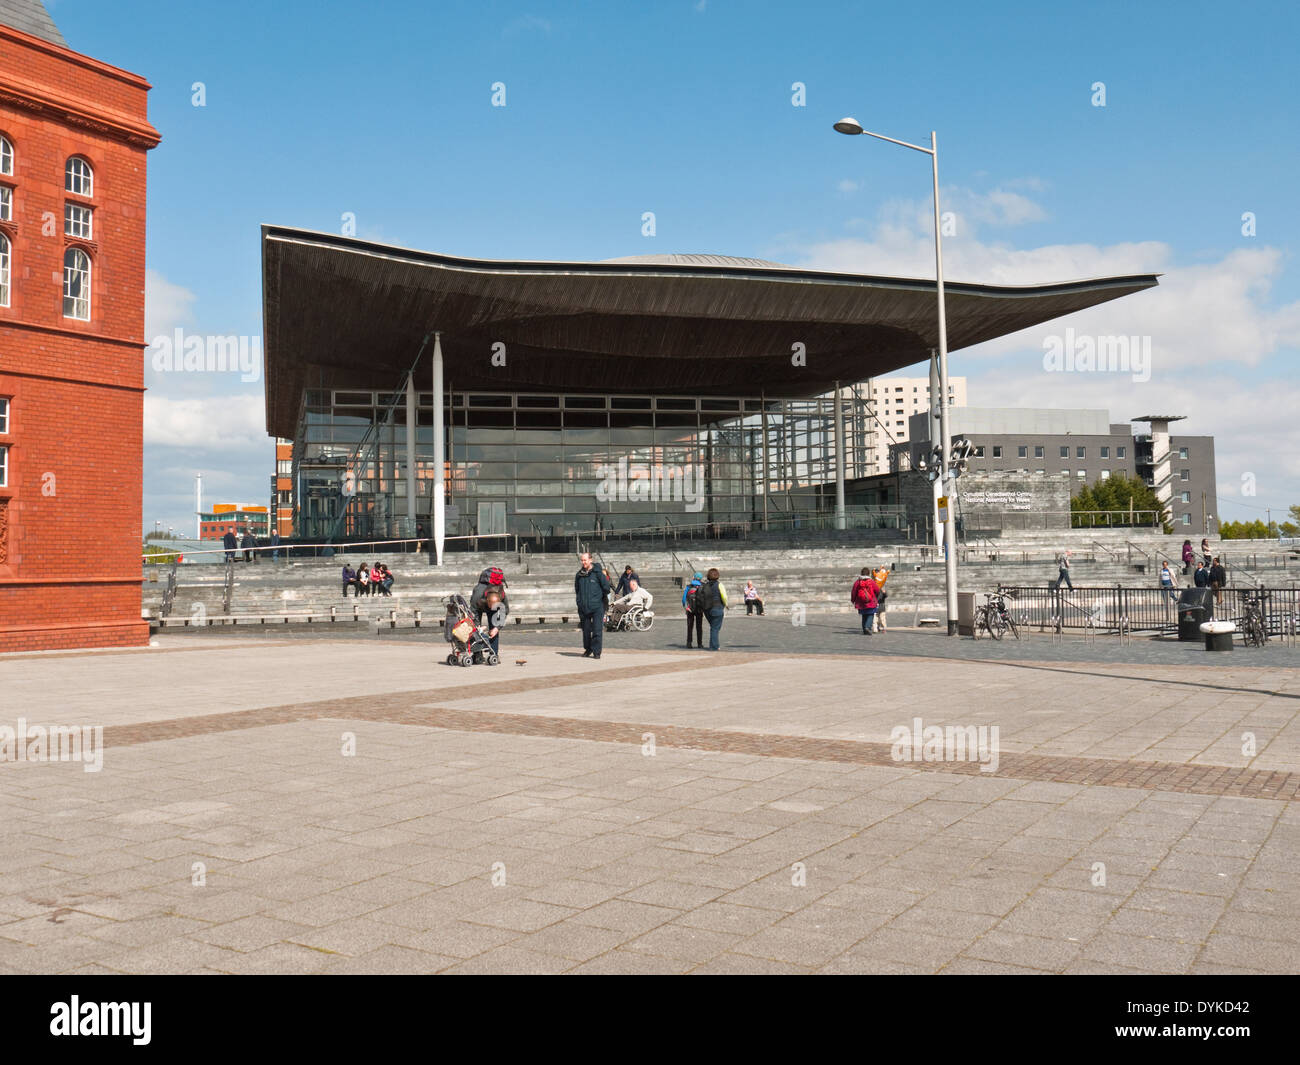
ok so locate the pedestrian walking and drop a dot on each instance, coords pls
(865, 597)
(1168, 581)
(713, 596)
(880, 576)
(694, 611)
(1188, 557)
(1063, 570)
(591, 590)
(752, 602)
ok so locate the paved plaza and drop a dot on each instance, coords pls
(287, 803)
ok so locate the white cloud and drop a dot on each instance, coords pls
(218, 425)
(848, 185)
(166, 306)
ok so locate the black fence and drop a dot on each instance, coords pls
(1108, 609)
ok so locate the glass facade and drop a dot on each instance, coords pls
(549, 464)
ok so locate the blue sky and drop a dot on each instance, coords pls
(684, 108)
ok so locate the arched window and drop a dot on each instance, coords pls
(6, 157)
(76, 284)
(4, 270)
(78, 178)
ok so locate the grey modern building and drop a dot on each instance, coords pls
(1083, 447)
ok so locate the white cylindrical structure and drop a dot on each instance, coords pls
(439, 453)
(198, 506)
(840, 516)
(945, 436)
(410, 452)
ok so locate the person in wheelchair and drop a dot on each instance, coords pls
(636, 600)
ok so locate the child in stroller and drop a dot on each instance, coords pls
(469, 643)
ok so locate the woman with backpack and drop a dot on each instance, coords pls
(712, 597)
(694, 615)
(865, 597)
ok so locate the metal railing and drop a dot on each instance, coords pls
(169, 593)
(228, 586)
(1115, 608)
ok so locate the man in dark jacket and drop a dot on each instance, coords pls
(590, 589)
(229, 543)
(625, 581)
(1218, 580)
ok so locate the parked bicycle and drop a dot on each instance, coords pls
(1254, 630)
(994, 617)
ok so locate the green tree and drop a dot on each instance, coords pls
(1112, 500)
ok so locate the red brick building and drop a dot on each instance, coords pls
(74, 135)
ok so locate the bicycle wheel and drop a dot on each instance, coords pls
(981, 622)
(1255, 634)
(1011, 624)
(996, 625)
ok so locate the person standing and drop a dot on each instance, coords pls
(864, 596)
(494, 617)
(1202, 575)
(591, 590)
(1188, 556)
(250, 542)
(275, 546)
(1205, 550)
(694, 612)
(230, 544)
(752, 601)
(713, 596)
(625, 581)
(1218, 580)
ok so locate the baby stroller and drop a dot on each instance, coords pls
(469, 644)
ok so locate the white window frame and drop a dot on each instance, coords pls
(6, 204)
(6, 268)
(87, 276)
(78, 221)
(4, 415)
(78, 177)
(4, 465)
(6, 157)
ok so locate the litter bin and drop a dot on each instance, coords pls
(1195, 605)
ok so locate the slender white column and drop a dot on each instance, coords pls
(439, 453)
(840, 514)
(410, 452)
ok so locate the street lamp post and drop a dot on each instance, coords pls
(852, 127)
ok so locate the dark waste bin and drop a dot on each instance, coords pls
(1195, 605)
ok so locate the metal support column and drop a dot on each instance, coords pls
(439, 453)
(840, 516)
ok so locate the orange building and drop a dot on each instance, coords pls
(74, 138)
(282, 487)
(237, 518)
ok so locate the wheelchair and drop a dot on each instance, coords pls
(634, 619)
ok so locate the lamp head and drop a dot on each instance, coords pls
(850, 126)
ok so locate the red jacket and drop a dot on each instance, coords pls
(864, 594)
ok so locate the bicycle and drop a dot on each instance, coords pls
(1253, 629)
(994, 617)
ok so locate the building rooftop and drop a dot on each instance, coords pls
(31, 17)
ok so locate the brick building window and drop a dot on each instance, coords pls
(6, 204)
(78, 178)
(76, 284)
(6, 157)
(4, 415)
(77, 221)
(4, 270)
(4, 466)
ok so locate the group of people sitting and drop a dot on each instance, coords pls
(368, 580)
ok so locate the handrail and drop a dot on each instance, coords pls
(1114, 555)
(348, 545)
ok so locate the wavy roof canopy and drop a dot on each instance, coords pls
(345, 313)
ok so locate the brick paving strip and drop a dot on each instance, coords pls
(411, 708)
